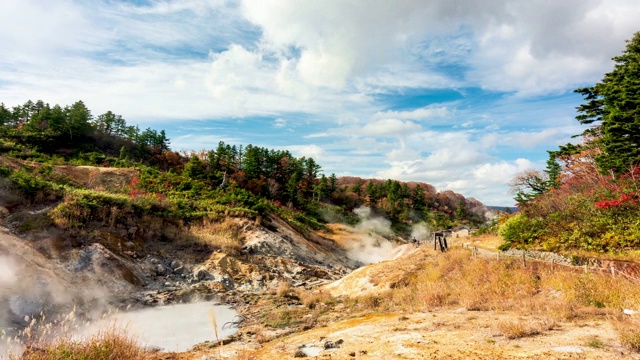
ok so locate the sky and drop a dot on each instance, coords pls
(462, 95)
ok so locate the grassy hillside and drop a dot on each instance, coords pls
(38, 143)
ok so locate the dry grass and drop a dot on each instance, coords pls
(594, 342)
(284, 288)
(105, 345)
(628, 330)
(454, 279)
(516, 329)
(225, 235)
(313, 299)
(486, 241)
(213, 320)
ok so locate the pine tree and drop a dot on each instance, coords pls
(5, 115)
(613, 106)
(77, 119)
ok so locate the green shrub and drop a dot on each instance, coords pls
(34, 187)
(5, 171)
(520, 230)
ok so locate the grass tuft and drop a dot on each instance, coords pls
(628, 330)
(516, 329)
(108, 345)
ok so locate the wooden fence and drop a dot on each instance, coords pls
(626, 269)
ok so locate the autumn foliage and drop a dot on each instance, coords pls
(587, 211)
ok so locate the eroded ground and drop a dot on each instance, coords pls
(447, 334)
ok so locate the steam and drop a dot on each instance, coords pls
(421, 232)
(371, 249)
(372, 244)
(7, 273)
(378, 225)
(7, 280)
(36, 293)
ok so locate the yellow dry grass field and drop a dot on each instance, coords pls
(485, 241)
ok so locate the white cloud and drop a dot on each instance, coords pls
(530, 47)
(308, 56)
(313, 151)
(416, 114)
(528, 139)
(389, 127)
(551, 48)
(191, 142)
(279, 123)
(502, 172)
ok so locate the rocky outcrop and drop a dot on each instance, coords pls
(107, 267)
(286, 242)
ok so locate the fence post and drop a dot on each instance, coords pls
(613, 270)
(524, 261)
(553, 264)
(586, 268)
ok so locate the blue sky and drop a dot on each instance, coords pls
(459, 94)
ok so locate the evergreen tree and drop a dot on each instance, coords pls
(5, 115)
(77, 120)
(109, 123)
(553, 169)
(39, 118)
(333, 183)
(195, 168)
(357, 188)
(252, 161)
(613, 105)
(57, 119)
(419, 199)
(321, 190)
(373, 194)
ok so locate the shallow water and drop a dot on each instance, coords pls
(170, 328)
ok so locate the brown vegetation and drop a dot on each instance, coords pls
(628, 330)
(454, 279)
(225, 234)
(109, 345)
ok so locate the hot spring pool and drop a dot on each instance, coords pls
(170, 328)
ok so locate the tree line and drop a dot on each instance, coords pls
(275, 175)
(38, 123)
